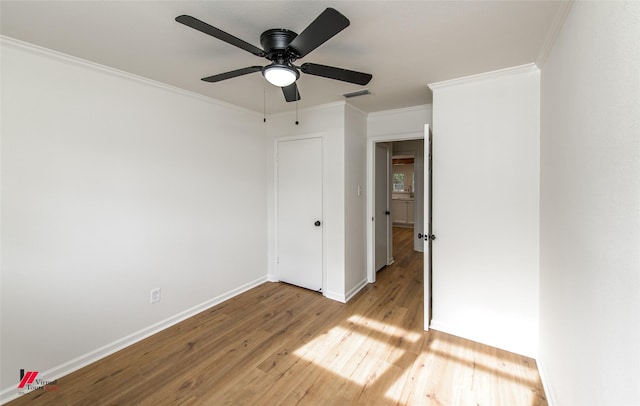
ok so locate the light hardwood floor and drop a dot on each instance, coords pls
(279, 344)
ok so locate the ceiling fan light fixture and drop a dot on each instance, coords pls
(280, 75)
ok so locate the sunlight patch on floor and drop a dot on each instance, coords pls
(354, 356)
(385, 328)
(450, 373)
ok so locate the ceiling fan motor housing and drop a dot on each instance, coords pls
(275, 42)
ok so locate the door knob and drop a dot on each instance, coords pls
(317, 223)
(387, 212)
(419, 236)
(433, 237)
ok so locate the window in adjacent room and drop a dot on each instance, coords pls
(398, 182)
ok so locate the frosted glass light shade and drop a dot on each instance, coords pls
(280, 76)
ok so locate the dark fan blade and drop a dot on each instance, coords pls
(331, 72)
(326, 25)
(217, 33)
(232, 74)
(291, 93)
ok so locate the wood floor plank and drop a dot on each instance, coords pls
(278, 344)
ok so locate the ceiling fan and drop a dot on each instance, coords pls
(283, 47)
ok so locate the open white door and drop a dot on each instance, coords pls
(299, 256)
(382, 205)
(428, 237)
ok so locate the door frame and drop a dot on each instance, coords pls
(371, 141)
(276, 142)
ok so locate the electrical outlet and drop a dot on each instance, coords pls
(155, 295)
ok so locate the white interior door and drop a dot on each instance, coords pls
(428, 237)
(418, 206)
(299, 242)
(382, 209)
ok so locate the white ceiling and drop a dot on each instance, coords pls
(404, 44)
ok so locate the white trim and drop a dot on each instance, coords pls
(459, 331)
(361, 285)
(115, 346)
(339, 297)
(481, 77)
(371, 141)
(548, 393)
(413, 135)
(49, 53)
(421, 107)
(554, 30)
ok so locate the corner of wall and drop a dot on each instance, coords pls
(356, 289)
(546, 385)
(338, 297)
(554, 30)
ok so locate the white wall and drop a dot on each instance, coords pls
(407, 147)
(327, 121)
(355, 200)
(590, 208)
(112, 186)
(399, 121)
(486, 208)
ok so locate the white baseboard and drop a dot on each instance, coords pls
(437, 325)
(542, 370)
(73, 365)
(356, 289)
(339, 297)
(467, 334)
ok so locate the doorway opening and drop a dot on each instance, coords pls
(404, 209)
(395, 203)
(398, 196)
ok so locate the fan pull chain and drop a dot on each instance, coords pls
(297, 98)
(264, 102)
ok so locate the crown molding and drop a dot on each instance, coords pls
(49, 53)
(554, 31)
(481, 77)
